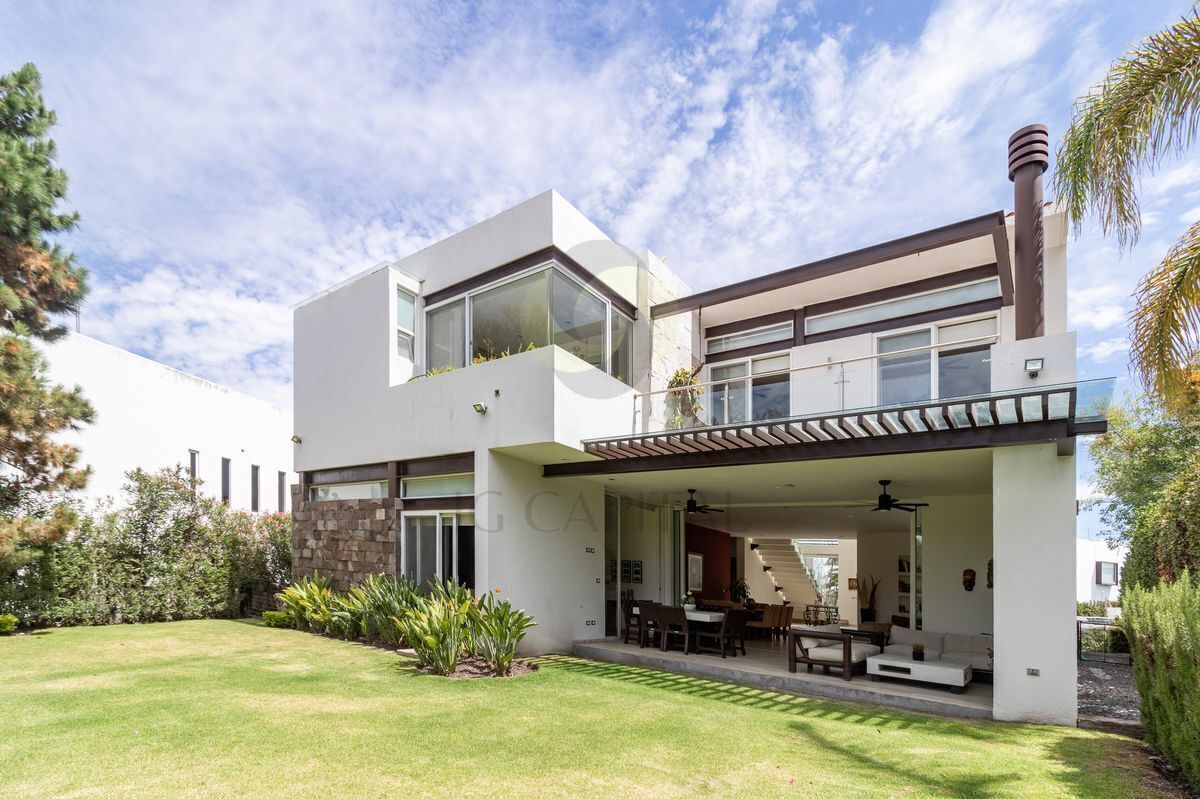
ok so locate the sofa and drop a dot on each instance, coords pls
(969, 650)
(826, 645)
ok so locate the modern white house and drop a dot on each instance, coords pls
(498, 408)
(1098, 567)
(150, 416)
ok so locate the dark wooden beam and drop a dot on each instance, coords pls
(867, 256)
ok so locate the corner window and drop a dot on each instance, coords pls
(578, 320)
(620, 360)
(406, 324)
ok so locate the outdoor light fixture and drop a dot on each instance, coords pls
(480, 407)
(296, 439)
(1034, 365)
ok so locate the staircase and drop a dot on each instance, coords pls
(788, 571)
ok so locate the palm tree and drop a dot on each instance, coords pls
(1146, 109)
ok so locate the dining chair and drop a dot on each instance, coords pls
(716, 635)
(735, 630)
(786, 613)
(648, 623)
(633, 621)
(673, 623)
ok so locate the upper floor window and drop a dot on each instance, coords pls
(749, 338)
(442, 485)
(406, 324)
(904, 306)
(959, 366)
(1106, 573)
(533, 310)
(335, 491)
(750, 390)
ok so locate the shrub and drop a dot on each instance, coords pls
(276, 618)
(1163, 625)
(384, 599)
(499, 628)
(307, 603)
(1090, 609)
(8, 624)
(439, 627)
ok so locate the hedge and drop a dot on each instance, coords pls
(1163, 625)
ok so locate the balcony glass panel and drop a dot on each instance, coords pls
(965, 372)
(904, 378)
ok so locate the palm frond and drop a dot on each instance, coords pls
(1166, 321)
(1146, 108)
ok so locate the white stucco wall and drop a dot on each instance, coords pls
(957, 535)
(1033, 518)
(879, 554)
(541, 542)
(149, 415)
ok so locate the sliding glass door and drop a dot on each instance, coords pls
(438, 546)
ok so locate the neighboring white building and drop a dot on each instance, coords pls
(1098, 569)
(149, 415)
(552, 462)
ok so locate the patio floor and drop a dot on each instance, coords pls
(765, 666)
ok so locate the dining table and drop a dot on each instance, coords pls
(705, 616)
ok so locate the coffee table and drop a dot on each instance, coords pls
(955, 675)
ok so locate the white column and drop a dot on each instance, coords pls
(1033, 535)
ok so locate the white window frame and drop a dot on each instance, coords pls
(403, 332)
(935, 347)
(440, 558)
(748, 362)
(547, 265)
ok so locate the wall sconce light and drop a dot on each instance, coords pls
(480, 408)
(753, 547)
(766, 568)
(779, 589)
(1034, 365)
(296, 439)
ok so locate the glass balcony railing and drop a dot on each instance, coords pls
(802, 395)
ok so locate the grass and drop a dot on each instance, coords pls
(233, 708)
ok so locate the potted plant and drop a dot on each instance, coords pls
(739, 591)
(866, 597)
(689, 601)
(918, 651)
(683, 406)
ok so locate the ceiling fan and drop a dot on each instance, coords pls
(694, 507)
(888, 502)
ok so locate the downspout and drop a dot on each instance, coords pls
(1028, 158)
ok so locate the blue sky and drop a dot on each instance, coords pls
(231, 159)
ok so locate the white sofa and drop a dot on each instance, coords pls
(969, 650)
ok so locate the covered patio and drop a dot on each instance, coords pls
(765, 666)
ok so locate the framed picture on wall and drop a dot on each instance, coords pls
(695, 571)
(625, 571)
(635, 572)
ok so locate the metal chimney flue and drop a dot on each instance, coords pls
(1028, 158)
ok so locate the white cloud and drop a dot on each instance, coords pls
(1107, 349)
(230, 159)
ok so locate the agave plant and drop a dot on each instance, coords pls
(384, 599)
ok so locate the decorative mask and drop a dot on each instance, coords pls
(969, 579)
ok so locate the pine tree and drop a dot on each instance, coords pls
(38, 280)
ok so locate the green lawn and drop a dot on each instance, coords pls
(234, 708)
